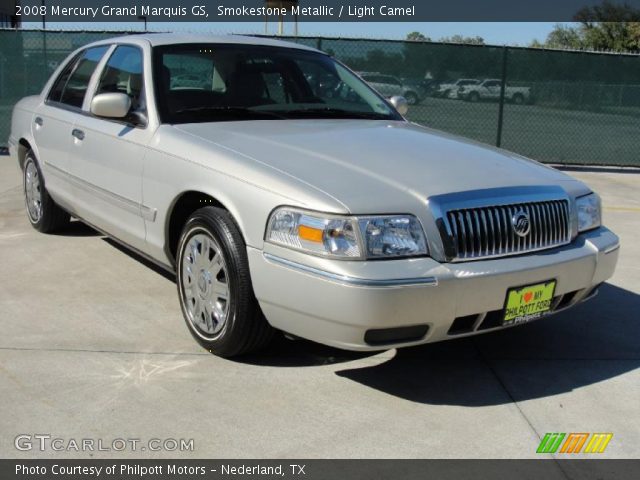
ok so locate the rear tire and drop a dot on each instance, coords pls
(412, 98)
(518, 99)
(43, 213)
(214, 286)
(473, 97)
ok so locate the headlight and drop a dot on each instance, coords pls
(394, 236)
(314, 233)
(356, 238)
(589, 212)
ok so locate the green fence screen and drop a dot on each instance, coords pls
(553, 106)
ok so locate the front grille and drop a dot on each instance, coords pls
(489, 232)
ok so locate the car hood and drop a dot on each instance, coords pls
(376, 166)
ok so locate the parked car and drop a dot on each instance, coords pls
(450, 90)
(329, 218)
(389, 86)
(189, 81)
(329, 85)
(423, 86)
(489, 89)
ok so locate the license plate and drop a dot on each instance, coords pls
(528, 303)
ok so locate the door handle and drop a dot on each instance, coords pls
(38, 121)
(79, 134)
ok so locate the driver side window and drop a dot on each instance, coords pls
(70, 87)
(123, 74)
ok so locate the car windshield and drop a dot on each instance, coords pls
(229, 82)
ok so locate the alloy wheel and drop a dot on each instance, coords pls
(205, 285)
(32, 191)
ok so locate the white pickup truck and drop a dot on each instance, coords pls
(450, 90)
(489, 89)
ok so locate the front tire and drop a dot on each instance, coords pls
(43, 213)
(412, 98)
(214, 286)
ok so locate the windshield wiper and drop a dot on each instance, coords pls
(331, 112)
(241, 112)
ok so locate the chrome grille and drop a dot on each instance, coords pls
(489, 232)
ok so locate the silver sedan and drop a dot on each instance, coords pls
(286, 194)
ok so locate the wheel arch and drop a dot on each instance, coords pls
(24, 145)
(181, 208)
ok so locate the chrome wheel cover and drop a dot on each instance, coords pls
(204, 285)
(32, 192)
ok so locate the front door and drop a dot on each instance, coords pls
(107, 155)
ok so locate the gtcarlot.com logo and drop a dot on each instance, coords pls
(46, 442)
(574, 443)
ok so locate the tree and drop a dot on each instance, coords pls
(466, 40)
(610, 27)
(417, 37)
(602, 27)
(565, 37)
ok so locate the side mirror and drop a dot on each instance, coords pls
(111, 105)
(400, 104)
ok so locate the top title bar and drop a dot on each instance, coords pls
(324, 10)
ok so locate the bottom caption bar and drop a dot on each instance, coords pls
(549, 469)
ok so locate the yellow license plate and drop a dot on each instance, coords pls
(528, 303)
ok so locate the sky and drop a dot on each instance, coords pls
(496, 33)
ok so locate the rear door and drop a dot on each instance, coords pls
(492, 89)
(106, 155)
(393, 86)
(54, 120)
(374, 82)
(384, 85)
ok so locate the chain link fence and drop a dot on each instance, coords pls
(554, 106)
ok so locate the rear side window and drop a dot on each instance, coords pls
(390, 80)
(71, 86)
(123, 74)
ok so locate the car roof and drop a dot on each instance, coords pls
(157, 39)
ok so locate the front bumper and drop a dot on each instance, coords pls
(344, 303)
